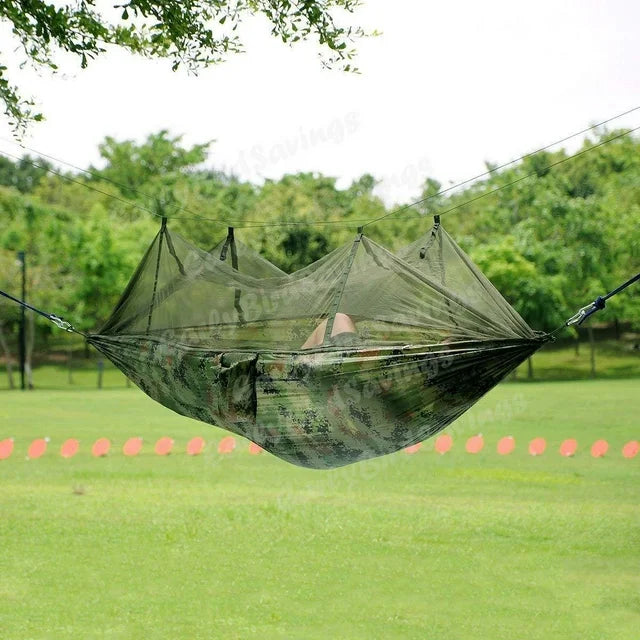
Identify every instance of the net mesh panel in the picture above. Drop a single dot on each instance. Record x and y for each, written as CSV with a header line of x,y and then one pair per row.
x,y
437,255
217,335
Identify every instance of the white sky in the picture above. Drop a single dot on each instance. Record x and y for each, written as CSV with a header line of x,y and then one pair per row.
x,y
447,86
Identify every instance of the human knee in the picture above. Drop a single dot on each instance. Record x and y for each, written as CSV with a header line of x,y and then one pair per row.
x,y
343,323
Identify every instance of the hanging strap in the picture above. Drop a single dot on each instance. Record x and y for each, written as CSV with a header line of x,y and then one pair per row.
x,y
228,240
432,237
57,320
230,243
596,305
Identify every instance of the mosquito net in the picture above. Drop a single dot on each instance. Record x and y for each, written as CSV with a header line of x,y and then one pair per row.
x,y
396,346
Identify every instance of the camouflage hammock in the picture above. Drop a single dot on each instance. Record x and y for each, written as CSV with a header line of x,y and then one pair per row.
x,y
217,336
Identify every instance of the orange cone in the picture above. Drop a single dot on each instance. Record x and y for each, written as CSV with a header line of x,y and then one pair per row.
x,y
568,448
164,446
6,448
37,448
537,446
255,449
475,444
630,450
599,448
132,446
443,443
227,444
101,447
195,446
506,445
69,448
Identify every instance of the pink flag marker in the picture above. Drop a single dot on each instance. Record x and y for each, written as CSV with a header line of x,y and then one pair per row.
x,y
69,448
37,448
443,443
101,447
195,446
537,446
568,447
132,446
599,448
164,446
506,445
227,444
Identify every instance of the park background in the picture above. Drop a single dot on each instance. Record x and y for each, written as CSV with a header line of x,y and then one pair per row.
x,y
451,546
552,232
235,545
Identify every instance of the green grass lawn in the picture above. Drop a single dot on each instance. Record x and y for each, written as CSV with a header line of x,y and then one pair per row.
x,y
613,359
425,546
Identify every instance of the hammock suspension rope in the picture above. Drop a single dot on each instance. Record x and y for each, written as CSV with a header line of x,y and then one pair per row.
x,y
57,320
598,304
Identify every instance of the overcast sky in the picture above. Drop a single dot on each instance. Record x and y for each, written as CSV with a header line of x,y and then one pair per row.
x,y
445,88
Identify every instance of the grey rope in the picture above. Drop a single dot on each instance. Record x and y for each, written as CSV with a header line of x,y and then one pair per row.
x,y
57,320
599,303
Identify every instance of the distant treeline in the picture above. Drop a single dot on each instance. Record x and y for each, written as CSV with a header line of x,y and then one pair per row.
x,y
550,242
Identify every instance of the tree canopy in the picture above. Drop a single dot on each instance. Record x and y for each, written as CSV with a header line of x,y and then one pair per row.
x,y
193,34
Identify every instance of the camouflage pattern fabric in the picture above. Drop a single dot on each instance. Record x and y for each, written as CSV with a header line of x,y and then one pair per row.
x,y
319,408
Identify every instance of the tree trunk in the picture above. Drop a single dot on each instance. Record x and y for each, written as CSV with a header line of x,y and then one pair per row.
x,y
7,355
31,336
577,346
592,346
530,368
69,368
100,372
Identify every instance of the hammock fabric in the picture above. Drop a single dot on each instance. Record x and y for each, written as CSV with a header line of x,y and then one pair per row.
x,y
216,336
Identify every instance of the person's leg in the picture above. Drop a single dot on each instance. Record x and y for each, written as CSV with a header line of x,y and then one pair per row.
x,y
316,337
341,324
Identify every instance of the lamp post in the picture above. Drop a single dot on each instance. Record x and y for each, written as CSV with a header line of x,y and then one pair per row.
x,y
23,328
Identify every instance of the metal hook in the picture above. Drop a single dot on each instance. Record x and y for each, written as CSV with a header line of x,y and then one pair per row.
x,y
585,312
62,324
